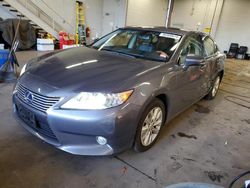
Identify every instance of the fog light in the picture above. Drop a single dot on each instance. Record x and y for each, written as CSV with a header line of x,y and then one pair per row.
x,y
101,140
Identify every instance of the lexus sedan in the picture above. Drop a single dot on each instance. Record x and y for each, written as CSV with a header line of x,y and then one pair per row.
x,y
118,92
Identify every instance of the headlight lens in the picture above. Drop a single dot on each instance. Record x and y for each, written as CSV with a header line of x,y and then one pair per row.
x,y
90,101
23,69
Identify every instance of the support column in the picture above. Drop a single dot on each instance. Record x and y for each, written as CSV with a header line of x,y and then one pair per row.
x,y
169,12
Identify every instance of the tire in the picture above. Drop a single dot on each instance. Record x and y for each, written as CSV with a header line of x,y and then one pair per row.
x,y
215,88
150,124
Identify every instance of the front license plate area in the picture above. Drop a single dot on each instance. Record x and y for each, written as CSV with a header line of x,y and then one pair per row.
x,y
27,116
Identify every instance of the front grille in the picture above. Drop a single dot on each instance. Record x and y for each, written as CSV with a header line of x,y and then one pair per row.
x,y
39,102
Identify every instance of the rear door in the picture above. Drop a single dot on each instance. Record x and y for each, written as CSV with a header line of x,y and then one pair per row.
x,y
211,54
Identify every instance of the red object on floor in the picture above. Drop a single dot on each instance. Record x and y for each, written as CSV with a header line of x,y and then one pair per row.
x,y
65,39
70,42
62,39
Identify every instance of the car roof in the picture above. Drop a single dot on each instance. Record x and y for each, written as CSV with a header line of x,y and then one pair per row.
x,y
161,29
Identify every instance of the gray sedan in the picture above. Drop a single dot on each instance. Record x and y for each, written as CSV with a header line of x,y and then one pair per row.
x,y
118,92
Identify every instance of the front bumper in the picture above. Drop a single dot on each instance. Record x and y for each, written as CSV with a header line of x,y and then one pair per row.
x,y
75,131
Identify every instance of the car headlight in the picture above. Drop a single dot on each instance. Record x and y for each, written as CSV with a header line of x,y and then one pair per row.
x,y
23,69
91,101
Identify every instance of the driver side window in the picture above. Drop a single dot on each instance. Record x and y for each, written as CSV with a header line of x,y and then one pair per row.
x,y
209,47
193,46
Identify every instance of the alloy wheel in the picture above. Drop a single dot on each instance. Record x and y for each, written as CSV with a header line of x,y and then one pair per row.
x,y
151,126
216,86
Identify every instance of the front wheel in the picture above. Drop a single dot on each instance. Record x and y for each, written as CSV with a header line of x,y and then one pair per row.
x,y
213,92
150,125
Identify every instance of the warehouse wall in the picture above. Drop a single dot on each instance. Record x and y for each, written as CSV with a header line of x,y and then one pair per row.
x,y
60,11
146,12
94,10
234,25
64,8
229,25
230,22
94,16
114,15
197,14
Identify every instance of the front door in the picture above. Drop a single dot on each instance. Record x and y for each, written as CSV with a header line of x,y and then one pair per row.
x,y
190,81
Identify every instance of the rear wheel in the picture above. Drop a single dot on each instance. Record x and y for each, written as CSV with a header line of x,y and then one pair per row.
x,y
150,125
213,92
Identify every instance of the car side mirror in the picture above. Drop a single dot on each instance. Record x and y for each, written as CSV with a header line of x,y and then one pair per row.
x,y
193,60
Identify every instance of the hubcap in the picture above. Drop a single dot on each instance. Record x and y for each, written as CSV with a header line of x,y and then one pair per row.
x,y
216,86
151,126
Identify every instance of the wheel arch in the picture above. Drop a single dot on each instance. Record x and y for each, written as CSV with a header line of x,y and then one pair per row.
x,y
164,98
160,96
221,74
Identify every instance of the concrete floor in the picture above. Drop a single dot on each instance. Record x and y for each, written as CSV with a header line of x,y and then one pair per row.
x,y
207,143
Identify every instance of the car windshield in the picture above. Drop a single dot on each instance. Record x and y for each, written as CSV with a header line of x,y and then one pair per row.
x,y
151,45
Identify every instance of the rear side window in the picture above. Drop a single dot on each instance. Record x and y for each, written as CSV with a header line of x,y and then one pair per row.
x,y
209,46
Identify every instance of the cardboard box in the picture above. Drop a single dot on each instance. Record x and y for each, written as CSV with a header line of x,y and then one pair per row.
x,y
45,45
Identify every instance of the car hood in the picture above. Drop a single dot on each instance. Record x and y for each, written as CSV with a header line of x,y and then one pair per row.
x,y
86,69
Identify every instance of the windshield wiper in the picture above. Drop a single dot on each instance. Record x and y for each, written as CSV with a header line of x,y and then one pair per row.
x,y
132,55
123,53
153,59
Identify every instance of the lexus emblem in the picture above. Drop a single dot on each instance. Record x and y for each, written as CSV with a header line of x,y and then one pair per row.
x,y
28,96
